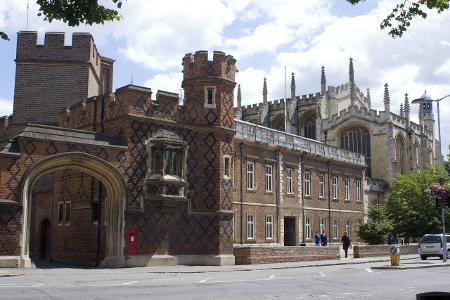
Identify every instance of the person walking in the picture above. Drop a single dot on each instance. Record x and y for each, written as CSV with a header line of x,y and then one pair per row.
x,y
317,239
345,243
324,238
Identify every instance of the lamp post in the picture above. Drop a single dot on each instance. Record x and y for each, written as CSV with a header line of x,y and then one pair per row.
x,y
424,98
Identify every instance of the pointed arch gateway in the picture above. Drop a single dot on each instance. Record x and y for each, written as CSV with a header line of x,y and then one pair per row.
x,y
111,179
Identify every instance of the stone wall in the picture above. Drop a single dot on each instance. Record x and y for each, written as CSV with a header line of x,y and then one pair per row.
x,y
381,250
265,255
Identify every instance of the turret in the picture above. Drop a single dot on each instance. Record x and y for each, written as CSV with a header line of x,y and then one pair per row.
x,y
67,75
239,96
387,102
208,88
351,75
369,101
292,86
402,111
427,111
323,81
264,91
407,111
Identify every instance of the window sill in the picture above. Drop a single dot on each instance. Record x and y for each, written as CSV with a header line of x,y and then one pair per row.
x,y
268,193
335,200
251,191
321,198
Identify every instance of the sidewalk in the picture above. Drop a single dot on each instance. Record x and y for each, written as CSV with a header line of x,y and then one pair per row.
x,y
275,266
407,262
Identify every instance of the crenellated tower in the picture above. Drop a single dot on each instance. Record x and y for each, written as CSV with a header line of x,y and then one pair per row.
x,y
53,76
208,88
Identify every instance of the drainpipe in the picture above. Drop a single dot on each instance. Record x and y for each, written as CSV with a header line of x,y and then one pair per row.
x,y
277,196
241,150
303,243
329,199
100,185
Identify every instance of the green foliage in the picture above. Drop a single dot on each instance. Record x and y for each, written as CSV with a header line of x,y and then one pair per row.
x,y
377,227
411,211
74,12
402,14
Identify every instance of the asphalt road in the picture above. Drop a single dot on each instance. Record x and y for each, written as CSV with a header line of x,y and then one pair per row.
x,y
332,282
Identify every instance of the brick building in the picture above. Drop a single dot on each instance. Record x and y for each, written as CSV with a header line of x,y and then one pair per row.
x,y
92,177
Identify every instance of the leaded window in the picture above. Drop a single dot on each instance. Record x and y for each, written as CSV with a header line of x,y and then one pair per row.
x,y
357,139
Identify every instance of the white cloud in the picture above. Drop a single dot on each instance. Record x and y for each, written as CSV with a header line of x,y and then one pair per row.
x,y
170,82
6,107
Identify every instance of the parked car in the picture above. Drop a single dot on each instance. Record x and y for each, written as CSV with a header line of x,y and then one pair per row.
x,y
431,245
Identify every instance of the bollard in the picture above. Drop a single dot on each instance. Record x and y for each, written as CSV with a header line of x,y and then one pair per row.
x,y
395,255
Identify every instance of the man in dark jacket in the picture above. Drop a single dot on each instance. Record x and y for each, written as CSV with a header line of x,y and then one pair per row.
x,y
324,238
345,243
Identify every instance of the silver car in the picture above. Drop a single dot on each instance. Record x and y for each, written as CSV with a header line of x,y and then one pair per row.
x,y
431,245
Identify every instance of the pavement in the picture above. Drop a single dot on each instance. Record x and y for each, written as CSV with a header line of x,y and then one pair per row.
x,y
337,279
406,262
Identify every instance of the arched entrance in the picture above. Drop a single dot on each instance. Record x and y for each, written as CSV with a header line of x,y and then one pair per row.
x,y
115,188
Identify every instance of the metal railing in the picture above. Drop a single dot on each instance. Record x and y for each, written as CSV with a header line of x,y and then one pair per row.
x,y
259,134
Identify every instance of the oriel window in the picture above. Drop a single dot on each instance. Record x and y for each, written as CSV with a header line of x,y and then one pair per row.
x,y
172,160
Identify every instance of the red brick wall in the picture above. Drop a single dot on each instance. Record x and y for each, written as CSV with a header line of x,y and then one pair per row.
x,y
66,75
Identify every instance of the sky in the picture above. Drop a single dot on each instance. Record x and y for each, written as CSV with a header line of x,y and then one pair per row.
x,y
264,36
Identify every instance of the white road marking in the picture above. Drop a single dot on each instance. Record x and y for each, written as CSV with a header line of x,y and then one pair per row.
x,y
369,270
323,275
271,276
202,281
131,282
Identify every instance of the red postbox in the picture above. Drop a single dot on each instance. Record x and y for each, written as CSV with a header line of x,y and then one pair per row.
x,y
131,241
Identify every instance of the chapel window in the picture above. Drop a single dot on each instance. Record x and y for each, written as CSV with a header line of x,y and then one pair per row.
x,y
357,139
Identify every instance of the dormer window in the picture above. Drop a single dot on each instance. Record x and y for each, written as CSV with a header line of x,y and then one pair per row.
x,y
210,96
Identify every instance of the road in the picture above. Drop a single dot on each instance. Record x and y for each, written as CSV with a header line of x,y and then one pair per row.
x,y
352,281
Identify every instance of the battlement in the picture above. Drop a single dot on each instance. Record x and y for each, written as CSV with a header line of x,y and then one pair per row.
x,y
198,65
54,49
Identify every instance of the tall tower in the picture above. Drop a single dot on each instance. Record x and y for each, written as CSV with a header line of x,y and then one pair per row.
x,y
52,76
209,87
427,112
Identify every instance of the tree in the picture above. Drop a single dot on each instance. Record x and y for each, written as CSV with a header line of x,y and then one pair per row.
x,y
74,12
412,212
402,14
374,232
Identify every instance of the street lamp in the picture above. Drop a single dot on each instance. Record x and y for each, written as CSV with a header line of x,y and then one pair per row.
x,y
423,101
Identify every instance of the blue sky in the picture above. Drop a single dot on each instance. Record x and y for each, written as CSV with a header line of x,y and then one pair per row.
x,y
264,36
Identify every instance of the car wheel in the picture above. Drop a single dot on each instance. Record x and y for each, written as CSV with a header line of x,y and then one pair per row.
x,y
423,257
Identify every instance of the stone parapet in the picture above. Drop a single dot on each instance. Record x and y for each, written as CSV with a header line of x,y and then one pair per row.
x,y
360,251
276,254
254,133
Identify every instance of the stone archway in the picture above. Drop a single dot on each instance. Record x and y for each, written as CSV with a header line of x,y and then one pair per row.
x,y
115,207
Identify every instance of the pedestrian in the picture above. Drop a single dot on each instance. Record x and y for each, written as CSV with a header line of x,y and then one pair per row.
x,y
317,239
390,238
345,243
324,238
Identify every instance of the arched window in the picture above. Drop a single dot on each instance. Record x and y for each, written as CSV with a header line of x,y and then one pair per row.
x,y
309,125
399,155
357,139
